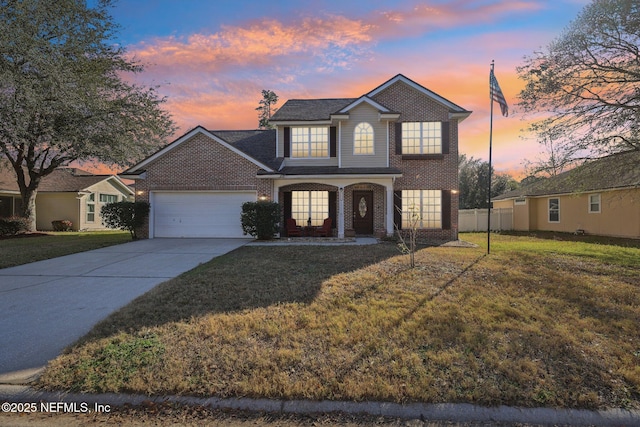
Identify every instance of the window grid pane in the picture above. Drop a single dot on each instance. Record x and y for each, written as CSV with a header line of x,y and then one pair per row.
x,y
431,138
554,210
309,142
411,138
309,204
422,208
363,139
421,138
594,203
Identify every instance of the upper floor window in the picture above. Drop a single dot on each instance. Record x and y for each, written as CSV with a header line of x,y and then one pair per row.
x,y
421,138
309,142
363,139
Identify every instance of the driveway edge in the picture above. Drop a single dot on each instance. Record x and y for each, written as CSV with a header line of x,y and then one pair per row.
x,y
457,412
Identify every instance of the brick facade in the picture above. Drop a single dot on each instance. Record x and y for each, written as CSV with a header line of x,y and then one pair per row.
x,y
427,174
201,163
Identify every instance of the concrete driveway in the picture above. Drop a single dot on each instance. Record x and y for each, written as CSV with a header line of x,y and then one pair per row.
x,y
47,305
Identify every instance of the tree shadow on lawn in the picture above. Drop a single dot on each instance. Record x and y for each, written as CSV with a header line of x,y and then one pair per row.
x,y
247,278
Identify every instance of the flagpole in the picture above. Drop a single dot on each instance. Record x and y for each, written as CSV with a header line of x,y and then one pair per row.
x,y
490,143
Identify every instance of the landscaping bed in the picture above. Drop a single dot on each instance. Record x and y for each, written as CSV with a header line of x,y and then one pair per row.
x,y
536,323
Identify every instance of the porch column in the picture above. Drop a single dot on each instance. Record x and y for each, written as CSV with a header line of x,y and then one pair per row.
x,y
340,214
390,209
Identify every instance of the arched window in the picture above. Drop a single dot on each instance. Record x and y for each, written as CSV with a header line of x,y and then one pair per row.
x,y
363,139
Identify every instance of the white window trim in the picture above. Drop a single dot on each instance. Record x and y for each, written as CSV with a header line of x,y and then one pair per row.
x,y
91,203
373,140
308,156
549,210
599,203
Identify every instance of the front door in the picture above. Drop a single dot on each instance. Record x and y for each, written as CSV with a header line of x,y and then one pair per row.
x,y
363,212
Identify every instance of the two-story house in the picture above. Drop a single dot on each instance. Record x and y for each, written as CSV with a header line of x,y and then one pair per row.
x,y
371,164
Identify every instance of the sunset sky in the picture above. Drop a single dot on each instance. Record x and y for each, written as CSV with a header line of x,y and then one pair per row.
x,y
212,58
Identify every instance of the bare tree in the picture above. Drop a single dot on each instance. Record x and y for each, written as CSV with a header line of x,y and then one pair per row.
x,y
586,84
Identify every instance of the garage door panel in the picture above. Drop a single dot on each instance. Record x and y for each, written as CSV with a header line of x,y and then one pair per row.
x,y
199,214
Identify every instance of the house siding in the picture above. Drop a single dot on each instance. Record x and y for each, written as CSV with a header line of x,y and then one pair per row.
x,y
429,174
200,164
619,214
363,113
58,206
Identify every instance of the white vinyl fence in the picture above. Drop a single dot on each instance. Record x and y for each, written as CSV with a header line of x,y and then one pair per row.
x,y
476,219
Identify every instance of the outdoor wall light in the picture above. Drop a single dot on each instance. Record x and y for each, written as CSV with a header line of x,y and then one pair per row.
x,y
139,192
263,198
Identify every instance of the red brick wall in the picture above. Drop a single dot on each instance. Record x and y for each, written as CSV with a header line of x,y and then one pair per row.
x,y
200,163
436,174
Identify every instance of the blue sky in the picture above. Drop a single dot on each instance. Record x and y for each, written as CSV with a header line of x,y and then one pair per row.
x,y
212,58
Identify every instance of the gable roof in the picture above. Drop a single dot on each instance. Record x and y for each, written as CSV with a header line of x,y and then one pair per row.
x,y
238,141
258,144
453,108
64,180
310,110
621,170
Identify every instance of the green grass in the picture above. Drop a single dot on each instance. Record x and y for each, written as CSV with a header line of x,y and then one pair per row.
x,y
17,251
536,323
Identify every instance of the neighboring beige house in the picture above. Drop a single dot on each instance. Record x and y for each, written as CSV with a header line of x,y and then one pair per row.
x,y
66,194
366,163
601,197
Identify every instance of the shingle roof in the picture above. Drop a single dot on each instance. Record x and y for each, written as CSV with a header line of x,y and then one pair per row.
x,y
621,170
60,180
310,109
258,144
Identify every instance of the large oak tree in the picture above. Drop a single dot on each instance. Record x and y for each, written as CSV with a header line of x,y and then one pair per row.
x,y
584,88
64,93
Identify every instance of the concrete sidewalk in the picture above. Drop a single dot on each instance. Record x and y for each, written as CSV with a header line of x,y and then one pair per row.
x,y
47,305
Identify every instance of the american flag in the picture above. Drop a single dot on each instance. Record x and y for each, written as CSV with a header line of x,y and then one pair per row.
x,y
496,94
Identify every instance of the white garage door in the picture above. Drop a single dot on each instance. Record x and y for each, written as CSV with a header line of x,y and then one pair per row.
x,y
198,214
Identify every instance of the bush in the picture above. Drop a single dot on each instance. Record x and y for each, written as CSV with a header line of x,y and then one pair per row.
x,y
62,225
125,216
13,225
260,219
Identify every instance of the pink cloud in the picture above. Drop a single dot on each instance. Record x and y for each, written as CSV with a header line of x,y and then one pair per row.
x,y
215,79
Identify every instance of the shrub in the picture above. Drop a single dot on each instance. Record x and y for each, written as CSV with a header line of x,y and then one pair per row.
x,y
13,225
62,225
260,219
125,216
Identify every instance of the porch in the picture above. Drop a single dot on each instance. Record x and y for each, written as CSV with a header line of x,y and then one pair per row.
x,y
356,207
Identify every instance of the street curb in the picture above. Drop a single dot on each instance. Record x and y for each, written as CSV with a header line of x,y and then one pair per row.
x,y
457,412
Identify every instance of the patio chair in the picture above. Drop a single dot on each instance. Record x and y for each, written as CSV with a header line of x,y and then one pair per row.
x,y
292,228
325,230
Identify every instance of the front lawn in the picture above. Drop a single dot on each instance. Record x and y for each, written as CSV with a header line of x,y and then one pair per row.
x,y
23,250
536,323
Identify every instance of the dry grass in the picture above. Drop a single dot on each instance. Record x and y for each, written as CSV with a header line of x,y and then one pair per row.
x,y
536,323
